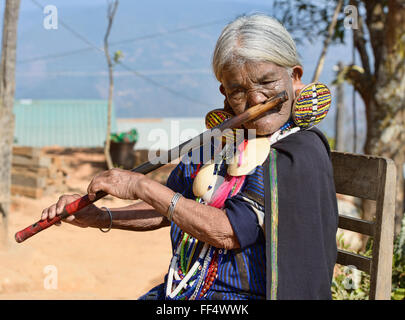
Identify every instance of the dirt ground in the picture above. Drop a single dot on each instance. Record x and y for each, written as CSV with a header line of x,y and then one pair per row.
x,y
68,262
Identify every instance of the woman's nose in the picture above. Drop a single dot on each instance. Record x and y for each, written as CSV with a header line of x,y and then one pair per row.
x,y
255,97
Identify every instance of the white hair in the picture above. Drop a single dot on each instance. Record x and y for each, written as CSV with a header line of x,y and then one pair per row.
x,y
256,38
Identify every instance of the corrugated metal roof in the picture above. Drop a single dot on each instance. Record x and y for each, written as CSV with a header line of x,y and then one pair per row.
x,y
162,133
66,123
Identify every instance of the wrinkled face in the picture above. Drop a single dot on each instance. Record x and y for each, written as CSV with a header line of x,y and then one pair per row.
x,y
247,85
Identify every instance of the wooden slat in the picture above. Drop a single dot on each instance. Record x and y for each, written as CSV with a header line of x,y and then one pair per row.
x,y
357,225
356,175
27,180
30,152
372,178
352,259
27,191
26,161
383,247
37,171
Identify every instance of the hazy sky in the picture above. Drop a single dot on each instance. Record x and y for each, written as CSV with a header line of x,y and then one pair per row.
x,y
178,61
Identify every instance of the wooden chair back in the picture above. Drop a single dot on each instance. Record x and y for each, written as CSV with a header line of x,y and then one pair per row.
x,y
372,178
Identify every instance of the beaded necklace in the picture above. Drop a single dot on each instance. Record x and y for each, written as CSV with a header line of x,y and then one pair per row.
x,y
185,283
287,126
194,283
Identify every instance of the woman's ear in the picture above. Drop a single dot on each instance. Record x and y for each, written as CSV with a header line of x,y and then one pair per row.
x,y
296,76
297,72
222,90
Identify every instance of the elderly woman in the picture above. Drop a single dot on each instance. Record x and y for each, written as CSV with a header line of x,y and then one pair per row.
x,y
222,247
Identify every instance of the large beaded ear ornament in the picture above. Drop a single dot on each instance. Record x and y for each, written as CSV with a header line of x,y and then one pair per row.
x,y
311,105
216,117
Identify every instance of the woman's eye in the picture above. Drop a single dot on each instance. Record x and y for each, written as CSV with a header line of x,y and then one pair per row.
x,y
236,93
268,82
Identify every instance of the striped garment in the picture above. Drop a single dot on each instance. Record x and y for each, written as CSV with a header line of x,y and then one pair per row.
x,y
301,259
242,272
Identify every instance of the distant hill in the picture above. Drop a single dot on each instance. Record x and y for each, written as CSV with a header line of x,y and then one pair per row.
x,y
177,60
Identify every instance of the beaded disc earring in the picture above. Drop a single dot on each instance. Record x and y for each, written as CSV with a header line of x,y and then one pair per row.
x,y
216,117
311,105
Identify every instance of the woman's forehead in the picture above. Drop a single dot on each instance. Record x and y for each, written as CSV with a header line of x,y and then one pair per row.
x,y
254,71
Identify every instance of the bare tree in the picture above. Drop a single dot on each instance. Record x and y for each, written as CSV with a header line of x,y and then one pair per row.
x,y
340,110
112,9
7,89
382,87
328,39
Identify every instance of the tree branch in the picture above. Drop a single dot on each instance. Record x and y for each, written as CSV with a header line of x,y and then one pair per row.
x,y
328,39
112,9
360,41
7,91
395,26
356,76
376,20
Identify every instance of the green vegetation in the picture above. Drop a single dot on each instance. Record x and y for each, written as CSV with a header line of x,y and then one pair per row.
x,y
128,137
398,266
352,284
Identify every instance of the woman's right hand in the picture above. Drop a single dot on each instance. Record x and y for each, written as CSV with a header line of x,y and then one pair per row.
x,y
90,216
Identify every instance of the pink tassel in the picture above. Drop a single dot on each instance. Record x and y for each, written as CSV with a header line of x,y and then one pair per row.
x,y
218,199
225,189
241,149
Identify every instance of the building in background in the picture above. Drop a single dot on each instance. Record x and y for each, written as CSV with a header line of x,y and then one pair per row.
x,y
64,123
83,124
162,133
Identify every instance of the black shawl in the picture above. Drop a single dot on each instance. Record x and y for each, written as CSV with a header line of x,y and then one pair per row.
x,y
301,236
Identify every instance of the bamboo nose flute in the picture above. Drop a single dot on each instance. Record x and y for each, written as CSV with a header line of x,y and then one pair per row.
x,y
234,122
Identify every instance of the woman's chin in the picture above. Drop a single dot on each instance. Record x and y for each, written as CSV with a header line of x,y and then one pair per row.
x,y
259,129
268,124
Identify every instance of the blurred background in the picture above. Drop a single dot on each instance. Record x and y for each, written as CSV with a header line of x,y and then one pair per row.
x,y
92,74
166,56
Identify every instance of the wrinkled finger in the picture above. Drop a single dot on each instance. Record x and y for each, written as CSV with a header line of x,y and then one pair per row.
x,y
64,200
60,205
69,218
90,187
52,212
94,187
44,215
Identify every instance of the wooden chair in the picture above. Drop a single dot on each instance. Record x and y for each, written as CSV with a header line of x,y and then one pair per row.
x,y
373,178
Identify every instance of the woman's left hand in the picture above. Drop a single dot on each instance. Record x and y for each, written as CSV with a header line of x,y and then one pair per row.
x,y
119,183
